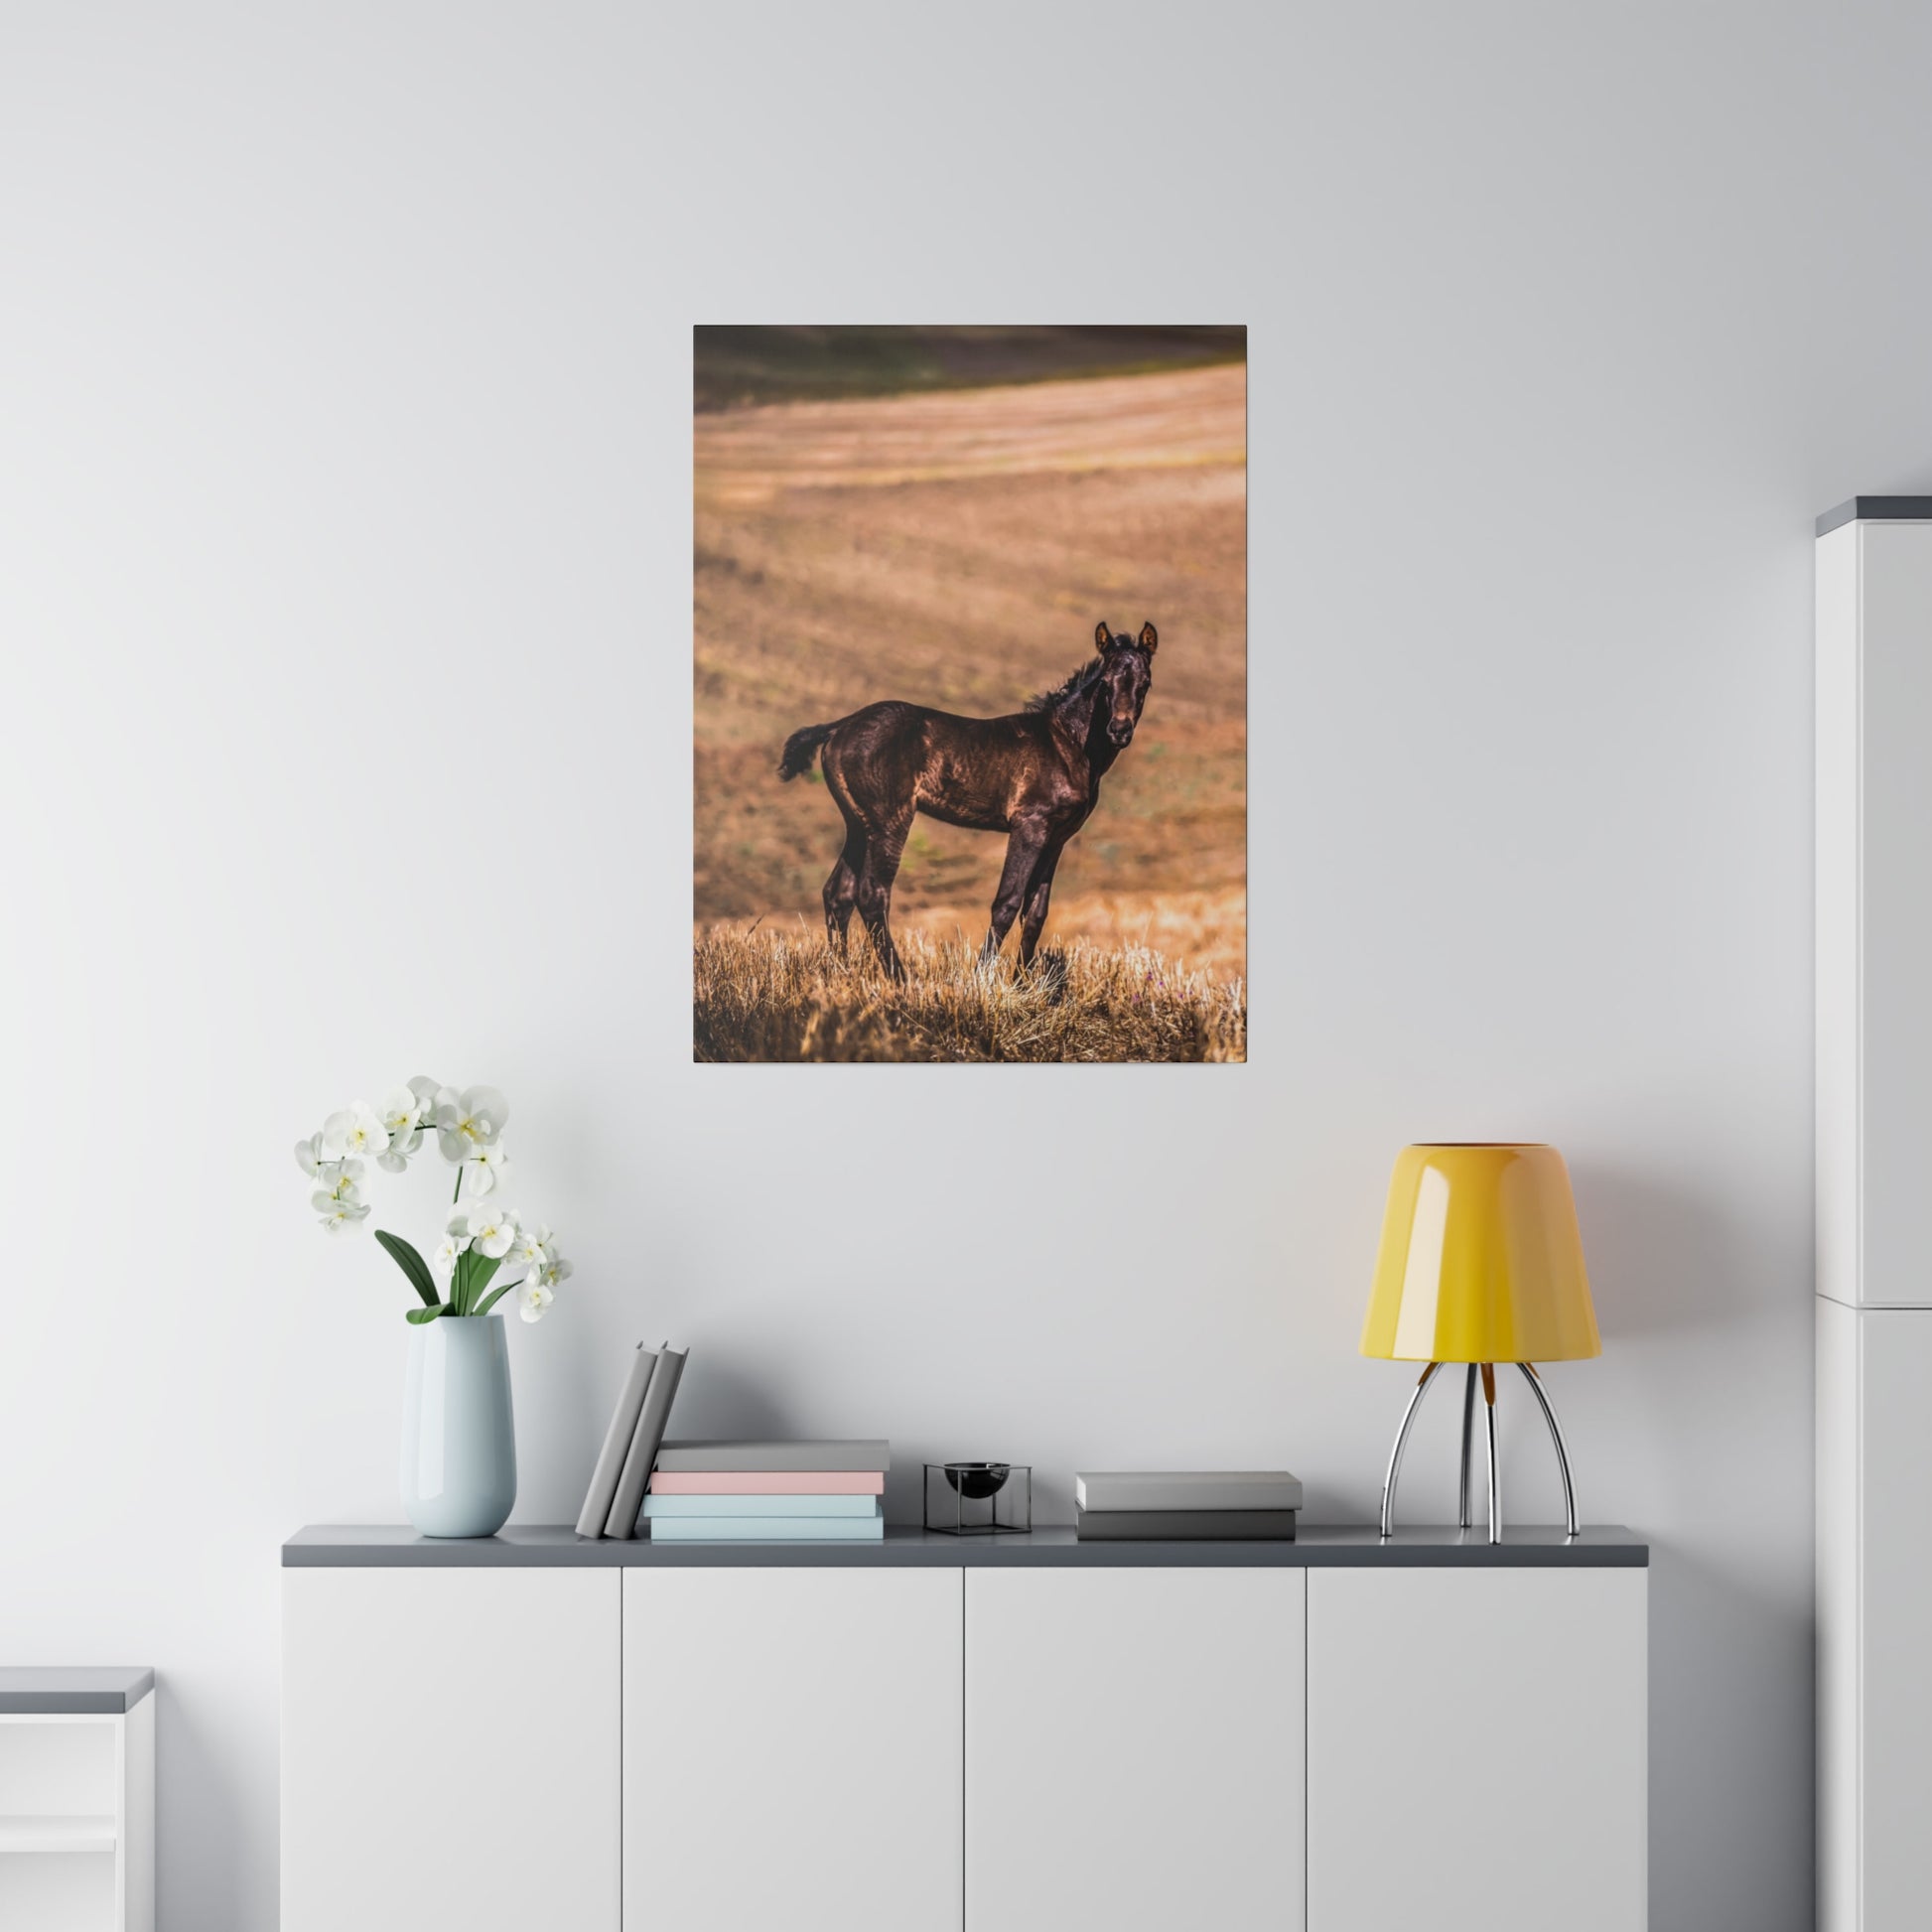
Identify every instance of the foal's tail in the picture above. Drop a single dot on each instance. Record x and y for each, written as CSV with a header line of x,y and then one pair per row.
x,y
802,747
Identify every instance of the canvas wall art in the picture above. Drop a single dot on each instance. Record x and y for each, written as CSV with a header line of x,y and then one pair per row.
x,y
970,697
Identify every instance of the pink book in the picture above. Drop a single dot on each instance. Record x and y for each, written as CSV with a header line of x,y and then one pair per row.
x,y
769,1482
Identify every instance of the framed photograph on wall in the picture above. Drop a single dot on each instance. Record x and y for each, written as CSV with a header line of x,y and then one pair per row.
x,y
970,695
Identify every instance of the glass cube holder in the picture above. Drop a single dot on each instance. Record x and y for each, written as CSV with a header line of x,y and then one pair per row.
x,y
979,1498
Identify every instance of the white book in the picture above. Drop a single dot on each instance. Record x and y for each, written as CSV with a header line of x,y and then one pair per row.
x,y
1188,1489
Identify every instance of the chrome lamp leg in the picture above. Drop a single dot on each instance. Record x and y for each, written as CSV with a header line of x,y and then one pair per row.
x,y
1495,1467
1464,1519
1556,1436
1395,1454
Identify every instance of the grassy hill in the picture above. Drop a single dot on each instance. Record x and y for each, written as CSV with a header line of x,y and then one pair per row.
x,y
734,366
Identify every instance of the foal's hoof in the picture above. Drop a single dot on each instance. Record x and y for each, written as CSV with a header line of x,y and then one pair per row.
x,y
1048,971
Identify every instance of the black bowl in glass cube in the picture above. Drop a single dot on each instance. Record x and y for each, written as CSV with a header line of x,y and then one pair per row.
x,y
979,1498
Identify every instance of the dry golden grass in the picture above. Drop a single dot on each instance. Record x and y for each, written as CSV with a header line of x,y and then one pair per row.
x,y
1203,932
779,996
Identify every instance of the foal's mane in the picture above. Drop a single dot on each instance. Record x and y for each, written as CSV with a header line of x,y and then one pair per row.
x,y
1081,681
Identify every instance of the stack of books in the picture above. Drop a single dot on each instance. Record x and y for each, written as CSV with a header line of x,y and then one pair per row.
x,y
774,1492
617,1494
1226,1505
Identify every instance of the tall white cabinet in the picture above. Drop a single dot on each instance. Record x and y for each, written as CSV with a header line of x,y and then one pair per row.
x,y
1874,1182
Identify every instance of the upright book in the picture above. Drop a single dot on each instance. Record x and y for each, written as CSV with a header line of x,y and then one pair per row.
x,y
645,1441
603,1492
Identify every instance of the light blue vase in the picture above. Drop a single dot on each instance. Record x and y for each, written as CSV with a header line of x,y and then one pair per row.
x,y
459,1440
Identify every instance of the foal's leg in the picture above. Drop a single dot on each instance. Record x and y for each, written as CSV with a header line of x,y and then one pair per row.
x,y
842,889
1040,896
884,850
1024,847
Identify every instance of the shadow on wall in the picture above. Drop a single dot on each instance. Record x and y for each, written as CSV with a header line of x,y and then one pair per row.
x,y
718,1401
196,1811
1715,1647
1662,1260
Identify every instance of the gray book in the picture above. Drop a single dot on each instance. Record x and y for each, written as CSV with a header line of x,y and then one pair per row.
x,y
739,1459
617,1444
1189,1490
1186,1526
644,1440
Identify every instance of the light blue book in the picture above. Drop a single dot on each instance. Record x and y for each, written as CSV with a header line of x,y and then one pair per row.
x,y
768,1528
662,1506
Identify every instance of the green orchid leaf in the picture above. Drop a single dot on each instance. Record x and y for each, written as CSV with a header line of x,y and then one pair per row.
x,y
412,1265
420,1316
479,1278
495,1296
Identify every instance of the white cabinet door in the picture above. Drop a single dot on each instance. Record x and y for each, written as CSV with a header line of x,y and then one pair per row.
x,y
791,1751
1875,911
1895,1547
1476,1751
1134,1749
1895,908
449,1750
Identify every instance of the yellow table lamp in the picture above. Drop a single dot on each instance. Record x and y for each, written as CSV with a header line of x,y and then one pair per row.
x,y
1481,1263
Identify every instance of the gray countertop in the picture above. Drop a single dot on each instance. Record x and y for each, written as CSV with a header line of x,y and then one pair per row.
x,y
65,1690
544,1545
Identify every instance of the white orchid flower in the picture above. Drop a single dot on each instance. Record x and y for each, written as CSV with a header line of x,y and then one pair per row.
x,y
552,1270
356,1129
531,1301
308,1156
486,1171
341,1213
400,1111
395,1157
532,1246
468,1122
341,1179
492,1233
455,1238
427,1092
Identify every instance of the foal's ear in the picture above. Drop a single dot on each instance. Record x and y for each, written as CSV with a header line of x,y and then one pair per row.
x,y
1102,636
1150,638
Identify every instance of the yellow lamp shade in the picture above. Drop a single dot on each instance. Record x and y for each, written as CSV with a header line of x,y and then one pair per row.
x,y
1480,1260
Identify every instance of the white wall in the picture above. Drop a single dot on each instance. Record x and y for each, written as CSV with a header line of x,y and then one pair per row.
x,y
345,605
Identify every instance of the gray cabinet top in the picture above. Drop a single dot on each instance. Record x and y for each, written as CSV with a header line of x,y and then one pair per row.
x,y
68,1690
1877,510
545,1546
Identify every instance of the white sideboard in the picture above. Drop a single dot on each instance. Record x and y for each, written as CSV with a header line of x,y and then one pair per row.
x,y
1875,1153
931,1735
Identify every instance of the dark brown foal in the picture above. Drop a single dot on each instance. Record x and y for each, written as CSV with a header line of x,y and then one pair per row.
x,y
1033,775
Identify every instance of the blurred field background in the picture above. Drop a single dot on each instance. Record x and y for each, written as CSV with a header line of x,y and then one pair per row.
x,y
942,516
